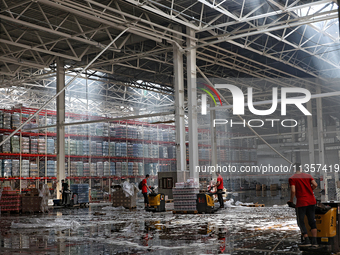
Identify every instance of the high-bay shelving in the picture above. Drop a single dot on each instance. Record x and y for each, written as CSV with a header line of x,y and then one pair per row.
x,y
95,153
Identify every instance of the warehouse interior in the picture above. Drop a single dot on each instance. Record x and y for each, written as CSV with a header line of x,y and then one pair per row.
x,y
100,93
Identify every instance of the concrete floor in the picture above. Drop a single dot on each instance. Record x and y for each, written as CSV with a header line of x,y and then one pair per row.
x,y
234,230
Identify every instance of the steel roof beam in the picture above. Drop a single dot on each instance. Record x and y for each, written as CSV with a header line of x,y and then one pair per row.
x,y
256,17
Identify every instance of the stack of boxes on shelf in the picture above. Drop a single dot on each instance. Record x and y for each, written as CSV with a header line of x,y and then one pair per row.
x,y
15,144
50,168
185,195
86,169
6,147
15,168
7,168
25,145
25,168
34,145
34,172
79,147
7,120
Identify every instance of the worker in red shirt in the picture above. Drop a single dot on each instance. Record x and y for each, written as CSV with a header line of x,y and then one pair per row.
x,y
145,189
219,186
302,186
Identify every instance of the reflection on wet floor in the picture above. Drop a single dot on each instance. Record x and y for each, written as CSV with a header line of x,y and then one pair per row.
x,y
235,230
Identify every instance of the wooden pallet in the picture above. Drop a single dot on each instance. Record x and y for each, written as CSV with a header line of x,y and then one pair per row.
x,y
169,201
184,212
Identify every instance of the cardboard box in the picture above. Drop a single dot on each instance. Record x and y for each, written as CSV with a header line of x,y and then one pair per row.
x,y
120,199
31,204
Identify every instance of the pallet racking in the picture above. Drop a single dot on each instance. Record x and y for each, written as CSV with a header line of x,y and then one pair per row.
x,y
153,139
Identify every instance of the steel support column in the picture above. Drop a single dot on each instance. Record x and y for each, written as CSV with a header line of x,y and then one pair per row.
x,y
192,105
179,111
310,133
321,146
60,127
213,141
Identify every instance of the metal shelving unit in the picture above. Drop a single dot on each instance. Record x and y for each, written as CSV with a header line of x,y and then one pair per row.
x,y
89,158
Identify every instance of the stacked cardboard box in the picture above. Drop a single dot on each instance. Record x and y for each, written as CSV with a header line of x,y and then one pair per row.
x,y
31,203
120,199
10,200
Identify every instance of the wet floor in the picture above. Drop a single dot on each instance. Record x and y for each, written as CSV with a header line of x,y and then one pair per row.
x,y
109,230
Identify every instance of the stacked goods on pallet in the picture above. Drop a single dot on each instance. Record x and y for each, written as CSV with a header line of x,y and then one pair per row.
x,y
31,202
124,168
119,168
154,151
106,129
79,147
73,168
25,168
34,169
146,134
117,149
112,168
172,151
151,168
120,131
80,168
135,169
130,168
15,144
123,150
25,145
50,146
146,150
140,168
92,129
93,169
105,148
82,190
34,146
41,146
51,168
130,150
10,200
15,120
86,169
73,147
6,147
253,155
7,120
112,149
106,168
163,152
93,148
15,167
185,195
100,169
99,149
97,194
138,150
86,147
